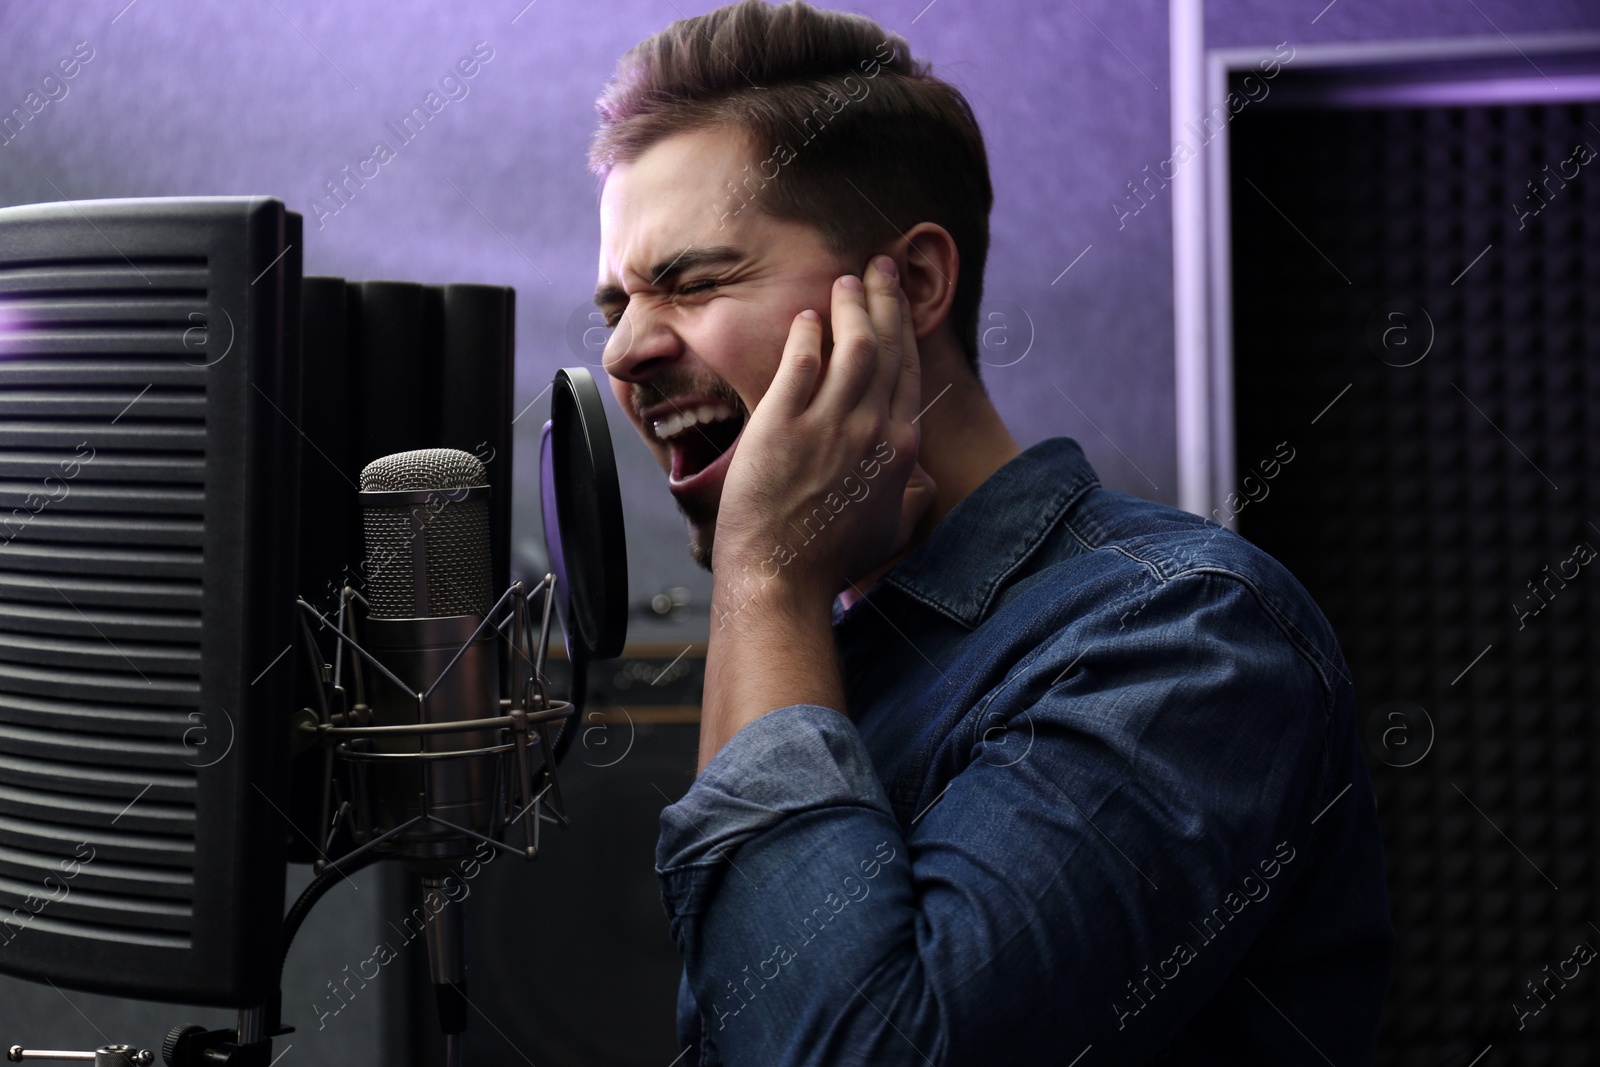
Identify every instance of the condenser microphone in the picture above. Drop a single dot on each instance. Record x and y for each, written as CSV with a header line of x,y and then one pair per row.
x,y
425,517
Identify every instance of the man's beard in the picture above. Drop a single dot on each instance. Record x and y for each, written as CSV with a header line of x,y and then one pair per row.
x,y
702,532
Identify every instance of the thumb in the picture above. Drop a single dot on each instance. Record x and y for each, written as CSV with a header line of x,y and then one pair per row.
x,y
914,504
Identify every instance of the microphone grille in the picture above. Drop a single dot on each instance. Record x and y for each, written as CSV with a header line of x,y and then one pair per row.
x,y
424,468
455,545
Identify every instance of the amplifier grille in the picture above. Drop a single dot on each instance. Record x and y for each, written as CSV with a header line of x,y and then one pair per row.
x,y
102,477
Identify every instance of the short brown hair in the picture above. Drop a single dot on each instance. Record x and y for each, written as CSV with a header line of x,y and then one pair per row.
x,y
907,141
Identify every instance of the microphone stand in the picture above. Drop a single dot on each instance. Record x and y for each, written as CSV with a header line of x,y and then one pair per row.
x,y
345,731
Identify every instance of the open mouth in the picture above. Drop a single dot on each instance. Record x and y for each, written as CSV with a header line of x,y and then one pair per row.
x,y
699,436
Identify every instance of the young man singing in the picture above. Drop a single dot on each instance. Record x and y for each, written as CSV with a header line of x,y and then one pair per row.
x,y
997,766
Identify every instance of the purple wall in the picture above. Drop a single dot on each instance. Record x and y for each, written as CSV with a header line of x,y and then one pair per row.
x,y
234,99
277,98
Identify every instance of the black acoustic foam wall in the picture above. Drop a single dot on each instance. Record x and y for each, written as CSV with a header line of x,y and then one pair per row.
x,y
1421,328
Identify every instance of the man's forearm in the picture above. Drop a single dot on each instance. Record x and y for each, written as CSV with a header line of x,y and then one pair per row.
x,y
769,651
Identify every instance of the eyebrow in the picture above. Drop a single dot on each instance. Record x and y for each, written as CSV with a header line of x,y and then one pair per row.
x,y
688,259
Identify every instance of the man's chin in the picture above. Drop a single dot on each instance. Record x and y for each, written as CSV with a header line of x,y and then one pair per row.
x,y
701,534
700,550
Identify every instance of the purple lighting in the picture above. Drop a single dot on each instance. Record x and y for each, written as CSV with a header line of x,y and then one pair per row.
x,y
1467,92
11,324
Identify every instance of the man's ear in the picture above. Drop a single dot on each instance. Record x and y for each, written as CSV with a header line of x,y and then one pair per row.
x,y
929,266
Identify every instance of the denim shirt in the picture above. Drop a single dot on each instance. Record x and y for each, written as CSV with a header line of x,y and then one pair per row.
x,y
1097,797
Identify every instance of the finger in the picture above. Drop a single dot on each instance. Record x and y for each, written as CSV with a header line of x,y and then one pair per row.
x,y
850,364
885,305
906,402
798,368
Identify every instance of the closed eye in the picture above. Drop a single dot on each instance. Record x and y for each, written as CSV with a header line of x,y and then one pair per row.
x,y
687,290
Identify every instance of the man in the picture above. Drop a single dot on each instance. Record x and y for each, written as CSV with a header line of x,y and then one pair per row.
x,y
996,765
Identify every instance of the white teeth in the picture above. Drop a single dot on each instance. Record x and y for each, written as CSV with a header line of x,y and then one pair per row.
x,y
679,421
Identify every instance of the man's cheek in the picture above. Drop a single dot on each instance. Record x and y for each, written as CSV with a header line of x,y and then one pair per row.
x,y
622,393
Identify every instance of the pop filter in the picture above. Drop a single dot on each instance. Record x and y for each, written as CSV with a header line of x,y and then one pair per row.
x,y
583,520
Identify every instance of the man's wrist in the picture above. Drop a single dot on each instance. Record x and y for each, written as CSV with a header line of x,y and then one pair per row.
x,y
741,593
771,647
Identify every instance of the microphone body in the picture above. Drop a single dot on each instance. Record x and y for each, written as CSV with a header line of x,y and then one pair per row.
x,y
460,791
426,524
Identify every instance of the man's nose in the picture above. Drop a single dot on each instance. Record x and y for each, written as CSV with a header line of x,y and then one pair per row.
x,y
640,346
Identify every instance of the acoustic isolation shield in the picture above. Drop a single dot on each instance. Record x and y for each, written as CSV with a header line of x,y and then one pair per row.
x,y
149,399
172,476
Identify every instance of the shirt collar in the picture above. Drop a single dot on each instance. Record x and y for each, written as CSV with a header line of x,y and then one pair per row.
x,y
964,563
